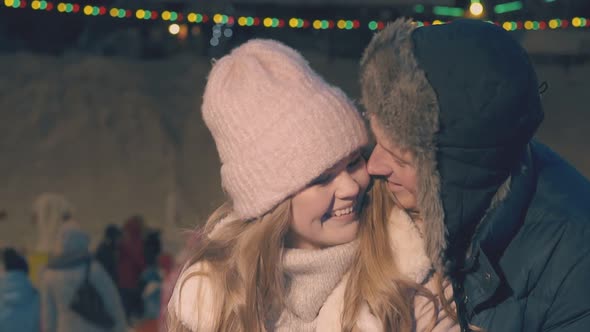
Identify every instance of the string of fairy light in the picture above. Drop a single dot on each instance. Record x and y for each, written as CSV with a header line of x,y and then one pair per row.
x,y
275,22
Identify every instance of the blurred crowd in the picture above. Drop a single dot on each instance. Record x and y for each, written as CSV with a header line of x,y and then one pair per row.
x,y
64,285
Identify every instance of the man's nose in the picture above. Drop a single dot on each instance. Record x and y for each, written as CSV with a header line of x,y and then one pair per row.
x,y
377,164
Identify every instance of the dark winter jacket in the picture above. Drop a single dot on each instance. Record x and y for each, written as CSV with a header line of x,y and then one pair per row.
x,y
107,251
506,219
106,255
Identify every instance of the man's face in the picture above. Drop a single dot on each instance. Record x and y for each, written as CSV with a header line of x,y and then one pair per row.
x,y
396,165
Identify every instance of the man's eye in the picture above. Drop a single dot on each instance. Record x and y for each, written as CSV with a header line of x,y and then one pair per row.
x,y
402,163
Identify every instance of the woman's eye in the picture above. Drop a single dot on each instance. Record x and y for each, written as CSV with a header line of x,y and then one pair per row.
x,y
356,162
322,179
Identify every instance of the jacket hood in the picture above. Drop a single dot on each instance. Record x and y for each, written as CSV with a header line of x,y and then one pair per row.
x,y
16,288
465,99
71,247
71,240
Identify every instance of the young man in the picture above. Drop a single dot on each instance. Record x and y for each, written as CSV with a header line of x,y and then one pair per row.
x,y
454,109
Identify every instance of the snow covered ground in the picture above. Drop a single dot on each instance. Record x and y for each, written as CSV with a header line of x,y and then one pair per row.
x,y
118,136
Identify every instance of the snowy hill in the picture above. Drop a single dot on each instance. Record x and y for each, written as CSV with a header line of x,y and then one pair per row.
x,y
106,133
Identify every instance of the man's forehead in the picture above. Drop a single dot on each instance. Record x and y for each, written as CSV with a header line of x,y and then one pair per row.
x,y
381,137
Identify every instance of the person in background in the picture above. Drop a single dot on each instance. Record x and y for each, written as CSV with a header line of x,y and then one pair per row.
x,y
151,293
50,211
107,251
19,300
165,265
70,263
151,283
130,266
151,277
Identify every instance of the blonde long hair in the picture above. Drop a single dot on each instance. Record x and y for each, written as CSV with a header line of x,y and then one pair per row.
x,y
376,280
246,271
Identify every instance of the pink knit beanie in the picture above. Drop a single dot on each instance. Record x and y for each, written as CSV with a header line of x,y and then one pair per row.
x,y
277,125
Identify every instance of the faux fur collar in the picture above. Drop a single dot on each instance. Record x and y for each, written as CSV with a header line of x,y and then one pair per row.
x,y
407,244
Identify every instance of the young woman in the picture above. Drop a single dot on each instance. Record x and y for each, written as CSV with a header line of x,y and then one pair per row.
x,y
277,256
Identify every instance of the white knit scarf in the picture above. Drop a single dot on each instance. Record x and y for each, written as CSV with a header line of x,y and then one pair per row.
x,y
311,277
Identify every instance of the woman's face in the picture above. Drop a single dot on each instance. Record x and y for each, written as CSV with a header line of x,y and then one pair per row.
x,y
326,212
